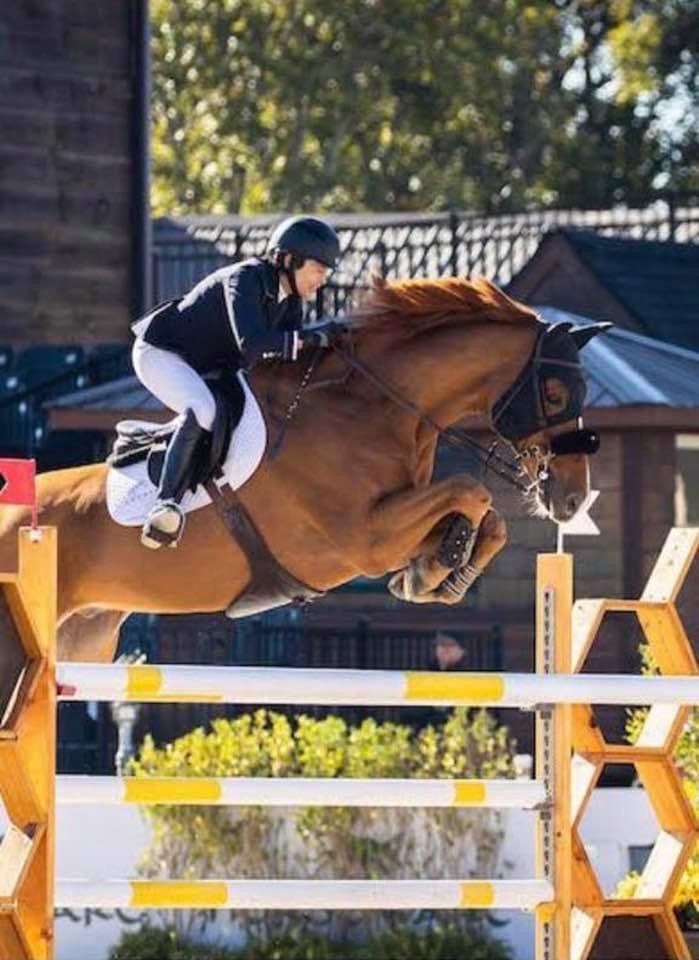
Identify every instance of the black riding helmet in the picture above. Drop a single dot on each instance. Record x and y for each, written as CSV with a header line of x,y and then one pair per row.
x,y
307,238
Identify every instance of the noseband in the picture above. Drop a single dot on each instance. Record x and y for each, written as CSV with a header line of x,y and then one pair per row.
x,y
554,354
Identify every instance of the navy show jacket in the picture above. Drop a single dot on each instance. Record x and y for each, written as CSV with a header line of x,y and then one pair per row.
x,y
230,319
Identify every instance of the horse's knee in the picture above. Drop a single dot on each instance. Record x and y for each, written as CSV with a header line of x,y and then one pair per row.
x,y
492,537
469,497
495,529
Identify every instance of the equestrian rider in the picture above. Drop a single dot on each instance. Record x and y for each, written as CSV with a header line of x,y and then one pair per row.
x,y
231,319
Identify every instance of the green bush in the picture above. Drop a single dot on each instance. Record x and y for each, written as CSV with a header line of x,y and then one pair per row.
x,y
686,757
153,943
291,947
326,842
441,943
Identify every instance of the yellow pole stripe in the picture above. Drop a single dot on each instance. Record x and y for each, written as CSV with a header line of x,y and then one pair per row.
x,y
477,895
487,688
152,894
145,684
545,912
469,794
181,790
143,681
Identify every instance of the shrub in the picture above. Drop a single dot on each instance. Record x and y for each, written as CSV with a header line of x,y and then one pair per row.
x,y
318,843
440,943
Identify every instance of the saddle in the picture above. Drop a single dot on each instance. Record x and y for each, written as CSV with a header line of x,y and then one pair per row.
x,y
138,440
271,585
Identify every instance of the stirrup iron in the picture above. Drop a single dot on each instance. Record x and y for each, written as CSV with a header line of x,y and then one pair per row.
x,y
164,526
165,522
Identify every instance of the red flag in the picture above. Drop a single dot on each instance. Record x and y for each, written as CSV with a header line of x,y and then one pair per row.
x,y
17,484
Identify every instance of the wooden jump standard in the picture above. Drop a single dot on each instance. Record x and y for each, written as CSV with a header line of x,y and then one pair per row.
x,y
571,753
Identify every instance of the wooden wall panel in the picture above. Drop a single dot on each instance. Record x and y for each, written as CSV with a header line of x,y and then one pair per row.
x,y
66,171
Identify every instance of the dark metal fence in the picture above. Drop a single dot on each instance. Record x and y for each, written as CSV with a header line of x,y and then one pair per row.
x,y
401,245
87,743
22,408
411,245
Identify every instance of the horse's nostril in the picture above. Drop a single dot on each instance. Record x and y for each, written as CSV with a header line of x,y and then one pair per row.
x,y
573,501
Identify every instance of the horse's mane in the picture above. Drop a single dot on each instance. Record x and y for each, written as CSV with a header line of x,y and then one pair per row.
x,y
411,306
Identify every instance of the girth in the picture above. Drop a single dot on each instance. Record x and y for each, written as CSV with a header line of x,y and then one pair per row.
x,y
271,585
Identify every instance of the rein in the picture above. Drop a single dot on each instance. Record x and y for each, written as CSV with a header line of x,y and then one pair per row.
x,y
508,470
290,411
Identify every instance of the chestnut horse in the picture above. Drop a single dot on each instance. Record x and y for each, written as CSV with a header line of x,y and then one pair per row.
x,y
350,492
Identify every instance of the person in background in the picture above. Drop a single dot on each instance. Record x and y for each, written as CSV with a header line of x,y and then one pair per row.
x,y
447,653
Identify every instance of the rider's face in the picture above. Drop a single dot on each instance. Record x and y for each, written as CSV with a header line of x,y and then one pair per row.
x,y
310,277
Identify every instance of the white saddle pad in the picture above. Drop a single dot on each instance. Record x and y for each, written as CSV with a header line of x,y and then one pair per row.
x,y
130,493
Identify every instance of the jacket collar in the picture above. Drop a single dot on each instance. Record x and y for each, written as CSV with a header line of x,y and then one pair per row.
x,y
270,278
271,281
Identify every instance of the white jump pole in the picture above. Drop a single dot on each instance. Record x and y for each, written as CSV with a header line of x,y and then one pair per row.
x,y
299,792
277,685
552,691
304,894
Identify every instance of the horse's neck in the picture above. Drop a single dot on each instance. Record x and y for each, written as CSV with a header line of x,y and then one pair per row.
x,y
449,373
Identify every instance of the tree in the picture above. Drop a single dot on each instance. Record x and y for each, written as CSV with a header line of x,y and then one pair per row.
x,y
269,105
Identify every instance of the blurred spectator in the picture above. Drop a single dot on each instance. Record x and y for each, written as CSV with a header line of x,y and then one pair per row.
x,y
447,653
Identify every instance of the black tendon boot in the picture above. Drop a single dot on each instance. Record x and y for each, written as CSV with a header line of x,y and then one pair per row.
x,y
165,522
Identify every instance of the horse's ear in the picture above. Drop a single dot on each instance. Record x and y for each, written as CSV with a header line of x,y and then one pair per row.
x,y
377,281
583,335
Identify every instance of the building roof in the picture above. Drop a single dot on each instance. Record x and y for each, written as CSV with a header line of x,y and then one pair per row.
x,y
100,407
656,281
623,369
124,394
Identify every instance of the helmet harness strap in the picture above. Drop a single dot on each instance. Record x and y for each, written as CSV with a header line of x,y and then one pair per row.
x,y
289,271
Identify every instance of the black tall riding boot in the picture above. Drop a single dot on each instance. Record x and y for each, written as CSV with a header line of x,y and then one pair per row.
x,y
165,522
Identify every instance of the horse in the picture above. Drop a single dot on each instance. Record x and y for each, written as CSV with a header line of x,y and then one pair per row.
x,y
350,491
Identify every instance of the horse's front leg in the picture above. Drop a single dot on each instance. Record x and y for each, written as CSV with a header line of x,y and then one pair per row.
x,y
424,579
401,523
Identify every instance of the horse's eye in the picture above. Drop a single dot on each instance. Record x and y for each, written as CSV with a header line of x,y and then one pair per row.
x,y
554,392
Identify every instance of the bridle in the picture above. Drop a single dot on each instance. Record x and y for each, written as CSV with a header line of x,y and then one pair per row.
x,y
512,468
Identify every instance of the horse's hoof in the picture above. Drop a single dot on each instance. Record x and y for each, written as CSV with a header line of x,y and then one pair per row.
x,y
396,585
408,583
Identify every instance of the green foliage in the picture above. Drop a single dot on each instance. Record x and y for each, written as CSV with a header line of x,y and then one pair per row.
x,y
441,943
267,105
153,943
686,757
293,947
324,842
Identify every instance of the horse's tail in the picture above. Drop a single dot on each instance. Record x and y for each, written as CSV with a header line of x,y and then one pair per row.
x,y
59,493
11,519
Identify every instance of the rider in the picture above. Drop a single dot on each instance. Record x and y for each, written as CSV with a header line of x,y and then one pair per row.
x,y
232,318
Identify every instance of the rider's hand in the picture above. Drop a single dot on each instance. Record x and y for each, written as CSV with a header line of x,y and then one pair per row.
x,y
324,336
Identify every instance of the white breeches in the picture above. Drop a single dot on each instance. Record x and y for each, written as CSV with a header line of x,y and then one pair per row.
x,y
174,382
